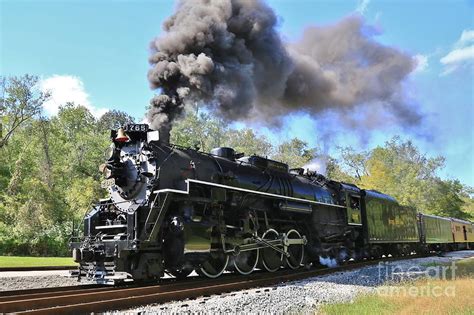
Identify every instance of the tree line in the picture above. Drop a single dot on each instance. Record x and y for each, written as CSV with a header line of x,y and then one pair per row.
x,y
49,173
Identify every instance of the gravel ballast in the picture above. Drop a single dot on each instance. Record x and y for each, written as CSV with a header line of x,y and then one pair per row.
x,y
304,296
37,279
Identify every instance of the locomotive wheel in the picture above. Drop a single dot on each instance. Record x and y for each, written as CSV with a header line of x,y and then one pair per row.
x,y
245,262
376,252
270,259
296,251
214,266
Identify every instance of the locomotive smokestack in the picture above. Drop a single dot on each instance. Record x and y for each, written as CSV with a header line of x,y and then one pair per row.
x,y
164,134
228,55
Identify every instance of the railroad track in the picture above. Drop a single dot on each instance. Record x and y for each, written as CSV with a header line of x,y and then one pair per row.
x,y
86,299
38,268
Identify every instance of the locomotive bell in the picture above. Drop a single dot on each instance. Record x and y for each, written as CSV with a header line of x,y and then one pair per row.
x,y
122,136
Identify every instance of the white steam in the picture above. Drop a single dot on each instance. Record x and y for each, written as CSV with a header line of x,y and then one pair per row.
x,y
318,165
327,261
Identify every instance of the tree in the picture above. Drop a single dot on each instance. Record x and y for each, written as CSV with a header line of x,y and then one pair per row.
x,y
50,179
294,152
447,199
75,131
335,172
199,130
20,100
114,119
354,162
467,195
399,169
247,142
205,132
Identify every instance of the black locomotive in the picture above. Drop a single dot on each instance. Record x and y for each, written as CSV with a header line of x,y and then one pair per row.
x,y
174,210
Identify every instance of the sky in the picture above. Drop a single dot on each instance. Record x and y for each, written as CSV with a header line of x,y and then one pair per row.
x,y
95,53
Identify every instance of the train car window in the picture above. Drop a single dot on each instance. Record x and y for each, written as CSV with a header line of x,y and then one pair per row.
x,y
355,202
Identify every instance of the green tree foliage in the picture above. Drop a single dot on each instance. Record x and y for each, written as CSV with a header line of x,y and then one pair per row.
x,y
294,152
446,199
355,163
48,180
204,132
402,171
20,100
335,171
467,196
246,141
113,119
199,131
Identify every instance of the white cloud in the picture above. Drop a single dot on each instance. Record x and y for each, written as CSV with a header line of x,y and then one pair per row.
x,y
467,36
67,88
362,6
421,63
461,55
458,55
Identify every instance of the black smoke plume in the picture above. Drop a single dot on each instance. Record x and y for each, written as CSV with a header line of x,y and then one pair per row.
x,y
228,55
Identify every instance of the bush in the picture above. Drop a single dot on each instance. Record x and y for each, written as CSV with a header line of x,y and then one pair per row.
x,y
50,242
10,244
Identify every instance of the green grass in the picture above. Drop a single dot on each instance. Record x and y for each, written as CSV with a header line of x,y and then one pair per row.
x,y
17,261
364,305
466,268
459,303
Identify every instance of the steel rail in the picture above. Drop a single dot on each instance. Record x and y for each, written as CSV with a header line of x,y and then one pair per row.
x,y
15,295
119,298
6,295
37,268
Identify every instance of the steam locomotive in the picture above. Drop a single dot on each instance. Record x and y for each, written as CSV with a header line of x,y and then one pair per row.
x,y
174,210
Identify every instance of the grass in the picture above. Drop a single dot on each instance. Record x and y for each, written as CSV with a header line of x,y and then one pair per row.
x,y
426,296
466,267
18,261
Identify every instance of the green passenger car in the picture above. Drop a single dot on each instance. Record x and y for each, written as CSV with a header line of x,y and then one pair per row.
x,y
387,221
435,230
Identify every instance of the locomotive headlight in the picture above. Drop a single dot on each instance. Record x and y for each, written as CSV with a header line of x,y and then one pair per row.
x,y
109,152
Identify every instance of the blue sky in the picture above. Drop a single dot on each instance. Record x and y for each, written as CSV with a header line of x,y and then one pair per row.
x,y
95,52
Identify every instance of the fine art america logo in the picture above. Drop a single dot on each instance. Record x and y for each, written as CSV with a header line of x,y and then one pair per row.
x,y
396,274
